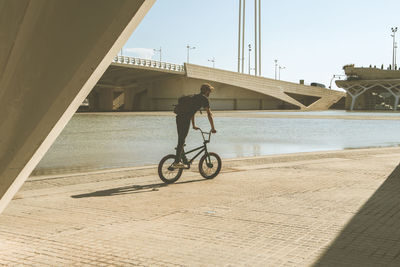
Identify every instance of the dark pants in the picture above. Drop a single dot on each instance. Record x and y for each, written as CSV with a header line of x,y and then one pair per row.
x,y
182,125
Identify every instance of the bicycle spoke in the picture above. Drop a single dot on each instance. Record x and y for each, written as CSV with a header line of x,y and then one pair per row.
x,y
167,173
207,169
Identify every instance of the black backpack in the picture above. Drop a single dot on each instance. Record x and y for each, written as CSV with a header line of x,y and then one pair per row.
x,y
184,104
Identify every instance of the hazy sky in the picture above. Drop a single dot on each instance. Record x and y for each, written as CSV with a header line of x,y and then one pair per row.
x,y
312,39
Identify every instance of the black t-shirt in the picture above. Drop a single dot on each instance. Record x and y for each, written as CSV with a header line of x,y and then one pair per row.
x,y
197,102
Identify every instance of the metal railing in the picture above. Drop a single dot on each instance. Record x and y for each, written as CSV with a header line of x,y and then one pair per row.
x,y
148,63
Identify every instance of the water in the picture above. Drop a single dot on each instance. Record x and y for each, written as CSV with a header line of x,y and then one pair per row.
x,y
113,140
329,113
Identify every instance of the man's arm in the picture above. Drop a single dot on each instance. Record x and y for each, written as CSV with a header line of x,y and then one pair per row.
x,y
193,124
210,119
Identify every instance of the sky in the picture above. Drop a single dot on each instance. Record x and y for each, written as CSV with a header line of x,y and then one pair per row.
x,y
312,39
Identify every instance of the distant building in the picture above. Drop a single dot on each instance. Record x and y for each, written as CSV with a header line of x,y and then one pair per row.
x,y
371,88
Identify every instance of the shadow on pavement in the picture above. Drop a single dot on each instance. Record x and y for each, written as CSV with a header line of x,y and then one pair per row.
x,y
372,237
132,189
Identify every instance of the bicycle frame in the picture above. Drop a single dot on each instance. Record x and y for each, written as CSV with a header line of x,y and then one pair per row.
x,y
203,148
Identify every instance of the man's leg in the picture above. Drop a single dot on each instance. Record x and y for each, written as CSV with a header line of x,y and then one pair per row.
x,y
182,125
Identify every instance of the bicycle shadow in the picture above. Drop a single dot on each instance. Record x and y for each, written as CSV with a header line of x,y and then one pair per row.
x,y
372,237
132,189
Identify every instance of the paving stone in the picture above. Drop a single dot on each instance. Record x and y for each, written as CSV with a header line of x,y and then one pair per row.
x,y
312,209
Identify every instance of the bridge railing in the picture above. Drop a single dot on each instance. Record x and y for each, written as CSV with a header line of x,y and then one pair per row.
x,y
148,63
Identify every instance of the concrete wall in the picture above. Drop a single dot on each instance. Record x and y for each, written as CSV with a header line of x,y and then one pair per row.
x,y
52,53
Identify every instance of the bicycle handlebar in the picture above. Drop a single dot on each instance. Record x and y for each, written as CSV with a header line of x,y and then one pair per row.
x,y
204,133
209,132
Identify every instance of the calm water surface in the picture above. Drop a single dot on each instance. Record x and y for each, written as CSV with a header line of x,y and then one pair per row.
x,y
112,140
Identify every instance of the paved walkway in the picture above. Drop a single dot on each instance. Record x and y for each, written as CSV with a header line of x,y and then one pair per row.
x,y
324,209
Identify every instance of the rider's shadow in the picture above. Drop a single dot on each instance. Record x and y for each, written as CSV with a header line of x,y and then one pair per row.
x,y
132,189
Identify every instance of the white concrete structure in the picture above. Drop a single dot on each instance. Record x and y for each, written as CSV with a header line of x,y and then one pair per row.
x,y
52,53
371,88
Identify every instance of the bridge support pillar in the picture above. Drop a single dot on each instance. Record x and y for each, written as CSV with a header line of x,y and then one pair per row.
x,y
355,93
129,97
93,101
105,99
396,94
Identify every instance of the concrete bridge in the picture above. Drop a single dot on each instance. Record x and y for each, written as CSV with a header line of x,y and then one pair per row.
x,y
371,88
138,84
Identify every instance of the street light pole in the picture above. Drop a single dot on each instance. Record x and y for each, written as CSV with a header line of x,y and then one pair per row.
x,y
243,32
335,76
240,32
280,68
255,38
188,49
394,30
259,37
213,61
159,51
249,57
276,66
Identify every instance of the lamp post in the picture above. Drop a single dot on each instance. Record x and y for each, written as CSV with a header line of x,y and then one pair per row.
x,y
213,61
243,31
188,49
240,33
259,37
255,39
394,30
281,68
249,57
159,51
276,67
333,77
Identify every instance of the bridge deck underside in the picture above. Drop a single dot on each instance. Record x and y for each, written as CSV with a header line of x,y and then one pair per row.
x,y
123,76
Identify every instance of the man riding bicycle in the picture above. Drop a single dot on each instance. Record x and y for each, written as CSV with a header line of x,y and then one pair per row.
x,y
185,111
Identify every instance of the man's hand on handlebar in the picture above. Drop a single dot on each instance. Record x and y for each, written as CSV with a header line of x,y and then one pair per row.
x,y
213,130
196,128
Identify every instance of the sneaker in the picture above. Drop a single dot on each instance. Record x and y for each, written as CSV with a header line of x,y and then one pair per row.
x,y
178,165
185,161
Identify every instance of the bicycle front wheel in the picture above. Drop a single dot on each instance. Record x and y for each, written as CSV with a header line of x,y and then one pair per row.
x,y
210,165
167,173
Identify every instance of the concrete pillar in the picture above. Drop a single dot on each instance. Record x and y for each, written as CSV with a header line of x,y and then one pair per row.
x,y
129,96
396,102
106,98
357,93
52,53
93,101
396,94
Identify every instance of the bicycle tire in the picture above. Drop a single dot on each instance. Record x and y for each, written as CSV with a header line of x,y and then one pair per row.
x,y
209,172
168,176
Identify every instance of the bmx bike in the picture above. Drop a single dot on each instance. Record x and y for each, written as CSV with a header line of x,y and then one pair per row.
x,y
209,164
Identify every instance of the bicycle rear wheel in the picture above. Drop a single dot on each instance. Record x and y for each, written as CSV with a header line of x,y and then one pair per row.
x,y
168,174
210,165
